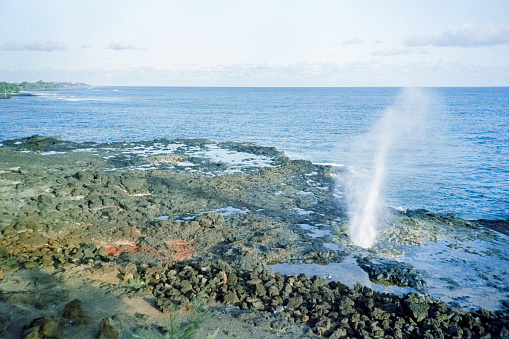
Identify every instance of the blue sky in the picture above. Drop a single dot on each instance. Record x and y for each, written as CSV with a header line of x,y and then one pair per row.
x,y
256,43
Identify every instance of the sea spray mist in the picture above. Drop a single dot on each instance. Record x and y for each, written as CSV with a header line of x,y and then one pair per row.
x,y
402,123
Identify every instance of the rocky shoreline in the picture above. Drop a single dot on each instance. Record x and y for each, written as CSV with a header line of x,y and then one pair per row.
x,y
167,222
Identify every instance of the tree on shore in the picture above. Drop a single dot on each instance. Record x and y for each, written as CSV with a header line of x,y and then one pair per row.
x,y
8,88
38,86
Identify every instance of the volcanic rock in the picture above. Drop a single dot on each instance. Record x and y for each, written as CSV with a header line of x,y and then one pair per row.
x,y
44,327
110,328
74,312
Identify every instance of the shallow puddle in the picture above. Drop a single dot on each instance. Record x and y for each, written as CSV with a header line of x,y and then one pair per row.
x,y
467,274
347,272
470,274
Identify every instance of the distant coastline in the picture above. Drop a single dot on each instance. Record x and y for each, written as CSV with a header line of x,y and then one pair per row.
x,y
7,90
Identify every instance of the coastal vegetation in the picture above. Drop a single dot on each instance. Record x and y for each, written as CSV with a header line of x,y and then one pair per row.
x,y
7,89
39,86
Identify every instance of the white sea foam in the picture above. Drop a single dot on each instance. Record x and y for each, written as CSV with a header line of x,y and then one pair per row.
x,y
306,193
51,153
301,211
229,210
329,164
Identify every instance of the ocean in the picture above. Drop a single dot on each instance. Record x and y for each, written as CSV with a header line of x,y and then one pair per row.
x,y
454,158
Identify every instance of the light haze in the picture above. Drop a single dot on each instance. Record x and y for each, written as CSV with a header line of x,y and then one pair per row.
x,y
256,43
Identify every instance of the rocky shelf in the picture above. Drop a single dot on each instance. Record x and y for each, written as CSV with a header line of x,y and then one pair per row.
x,y
119,240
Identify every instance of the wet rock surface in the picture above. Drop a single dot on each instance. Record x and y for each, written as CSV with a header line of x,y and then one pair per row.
x,y
501,226
393,273
166,220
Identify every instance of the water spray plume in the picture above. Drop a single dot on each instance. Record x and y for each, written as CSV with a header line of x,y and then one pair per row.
x,y
364,190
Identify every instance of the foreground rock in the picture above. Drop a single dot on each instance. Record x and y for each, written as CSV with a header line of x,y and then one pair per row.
x,y
75,313
331,310
110,328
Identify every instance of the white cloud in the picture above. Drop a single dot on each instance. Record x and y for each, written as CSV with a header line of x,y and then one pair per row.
x,y
392,52
442,72
466,36
403,51
354,41
42,46
122,45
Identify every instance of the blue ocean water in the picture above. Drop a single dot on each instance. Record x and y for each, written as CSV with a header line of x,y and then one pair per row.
x,y
457,161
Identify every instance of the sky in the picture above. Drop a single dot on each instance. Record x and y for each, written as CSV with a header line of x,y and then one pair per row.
x,y
398,43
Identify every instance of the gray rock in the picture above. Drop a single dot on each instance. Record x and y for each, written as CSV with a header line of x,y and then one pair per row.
x,y
262,323
74,312
339,333
110,328
5,322
231,298
32,333
294,302
211,220
185,286
418,306
323,326
44,327
102,252
260,290
379,314
273,291
258,305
